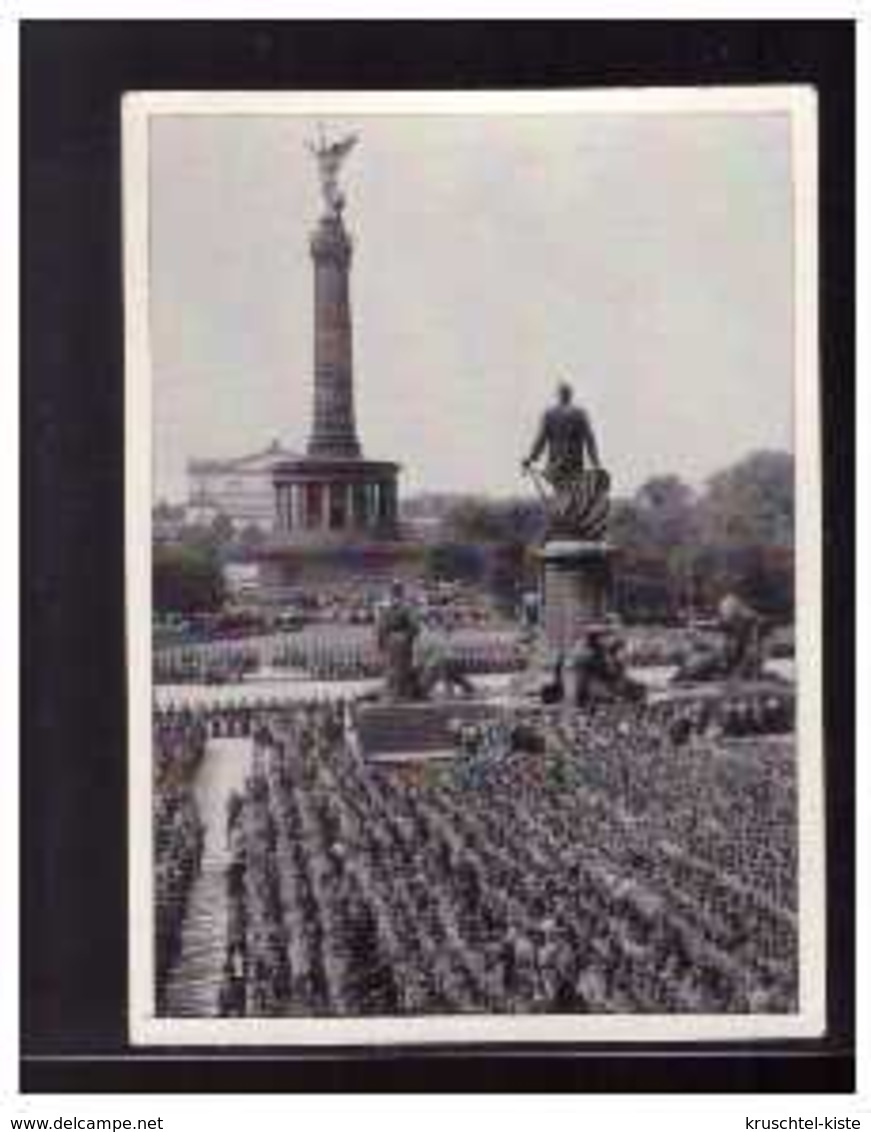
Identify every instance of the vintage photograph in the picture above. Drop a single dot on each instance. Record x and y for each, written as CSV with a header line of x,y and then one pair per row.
x,y
473,581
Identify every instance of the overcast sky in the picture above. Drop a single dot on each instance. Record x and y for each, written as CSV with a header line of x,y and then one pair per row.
x,y
646,259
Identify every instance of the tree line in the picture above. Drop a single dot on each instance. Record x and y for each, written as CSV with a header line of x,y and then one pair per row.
x,y
677,549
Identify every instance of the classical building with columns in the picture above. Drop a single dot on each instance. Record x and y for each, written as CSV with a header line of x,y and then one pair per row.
x,y
239,488
332,498
334,501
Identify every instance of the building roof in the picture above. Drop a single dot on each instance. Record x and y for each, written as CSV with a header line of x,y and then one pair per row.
x,y
262,461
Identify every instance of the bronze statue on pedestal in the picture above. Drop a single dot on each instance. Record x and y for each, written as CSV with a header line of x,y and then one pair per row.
x,y
575,496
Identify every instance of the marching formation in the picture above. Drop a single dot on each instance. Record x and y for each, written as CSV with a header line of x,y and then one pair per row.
x,y
611,870
179,744
325,655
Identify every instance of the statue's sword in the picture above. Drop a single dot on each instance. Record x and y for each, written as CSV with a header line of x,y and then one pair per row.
x,y
535,476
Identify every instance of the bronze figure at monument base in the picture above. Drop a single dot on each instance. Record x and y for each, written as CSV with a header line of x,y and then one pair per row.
x,y
396,633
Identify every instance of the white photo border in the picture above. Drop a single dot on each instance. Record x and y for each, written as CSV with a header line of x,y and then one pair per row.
x,y
809,1021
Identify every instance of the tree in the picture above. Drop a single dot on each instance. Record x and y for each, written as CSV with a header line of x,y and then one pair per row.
x,y
165,512
666,508
656,534
752,502
186,580
473,521
679,552
250,539
477,520
454,562
509,572
746,519
761,575
221,531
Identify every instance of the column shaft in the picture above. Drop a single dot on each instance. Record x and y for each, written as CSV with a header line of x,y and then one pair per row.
x,y
334,430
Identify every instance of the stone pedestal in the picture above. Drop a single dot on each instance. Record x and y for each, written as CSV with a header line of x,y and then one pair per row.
x,y
575,590
399,732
